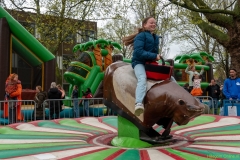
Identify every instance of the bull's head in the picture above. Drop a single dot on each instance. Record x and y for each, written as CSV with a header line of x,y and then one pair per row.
x,y
168,100
184,111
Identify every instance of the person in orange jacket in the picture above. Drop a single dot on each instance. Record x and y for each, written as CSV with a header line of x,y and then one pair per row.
x,y
12,110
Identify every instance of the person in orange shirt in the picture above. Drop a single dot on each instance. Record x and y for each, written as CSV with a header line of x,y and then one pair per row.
x,y
12,110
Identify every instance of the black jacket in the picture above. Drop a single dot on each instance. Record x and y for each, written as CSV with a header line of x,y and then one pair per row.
x,y
55,106
211,91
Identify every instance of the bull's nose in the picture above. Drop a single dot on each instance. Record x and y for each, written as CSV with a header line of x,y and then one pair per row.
x,y
199,108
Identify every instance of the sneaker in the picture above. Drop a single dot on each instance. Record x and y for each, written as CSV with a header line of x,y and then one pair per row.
x,y
139,109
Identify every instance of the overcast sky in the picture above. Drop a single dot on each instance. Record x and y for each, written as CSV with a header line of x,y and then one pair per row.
x,y
174,50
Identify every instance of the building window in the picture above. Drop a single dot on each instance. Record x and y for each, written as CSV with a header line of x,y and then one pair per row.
x,y
85,36
60,62
71,37
30,27
91,35
79,36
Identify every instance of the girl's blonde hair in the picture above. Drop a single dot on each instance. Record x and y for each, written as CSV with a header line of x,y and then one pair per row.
x,y
129,39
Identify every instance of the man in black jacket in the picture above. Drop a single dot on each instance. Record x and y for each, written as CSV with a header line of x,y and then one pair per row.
x,y
213,91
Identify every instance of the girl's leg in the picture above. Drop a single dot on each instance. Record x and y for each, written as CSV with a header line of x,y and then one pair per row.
x,y
140,92
140,73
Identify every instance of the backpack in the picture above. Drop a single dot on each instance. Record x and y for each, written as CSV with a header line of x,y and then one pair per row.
x,y
89,95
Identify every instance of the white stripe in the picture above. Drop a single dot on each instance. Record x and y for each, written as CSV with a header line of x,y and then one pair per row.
x,y
155,154
58,155
94,122
45,156
221,148
221,138
21,141
31,127
221,122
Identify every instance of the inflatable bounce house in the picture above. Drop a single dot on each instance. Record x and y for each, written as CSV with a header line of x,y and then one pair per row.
x,y
22,53
200,60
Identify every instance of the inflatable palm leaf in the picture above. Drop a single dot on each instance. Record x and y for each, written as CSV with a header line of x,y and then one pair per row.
x,y
184,58
178,57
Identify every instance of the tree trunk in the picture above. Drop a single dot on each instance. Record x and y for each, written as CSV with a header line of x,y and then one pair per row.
x,y
233,47
235,59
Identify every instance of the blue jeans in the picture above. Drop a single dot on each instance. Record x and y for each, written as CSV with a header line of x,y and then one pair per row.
x,y
214,102
76,108
86,107
140,92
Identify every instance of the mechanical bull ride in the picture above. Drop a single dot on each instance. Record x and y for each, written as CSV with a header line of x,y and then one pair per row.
x,y
165,102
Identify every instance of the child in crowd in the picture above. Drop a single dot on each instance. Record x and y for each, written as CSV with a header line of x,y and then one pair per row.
x,y
197,91
191,71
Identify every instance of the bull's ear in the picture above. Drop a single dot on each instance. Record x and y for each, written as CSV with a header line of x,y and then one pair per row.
x,y
181,102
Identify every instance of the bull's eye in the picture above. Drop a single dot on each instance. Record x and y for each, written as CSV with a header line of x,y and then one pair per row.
x,y
181,102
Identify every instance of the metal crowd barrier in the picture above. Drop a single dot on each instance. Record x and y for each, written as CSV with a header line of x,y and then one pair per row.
x,y
231,107
57,108
209,101
13,111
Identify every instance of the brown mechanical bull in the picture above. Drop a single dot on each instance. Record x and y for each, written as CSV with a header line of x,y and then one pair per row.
x,y
165,102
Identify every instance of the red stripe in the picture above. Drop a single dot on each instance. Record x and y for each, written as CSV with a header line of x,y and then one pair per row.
x,y
115,155
83,154
144,155
35,123
15,125
157,76
174,156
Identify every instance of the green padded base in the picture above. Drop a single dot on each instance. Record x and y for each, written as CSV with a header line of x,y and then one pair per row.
x,y
128,142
